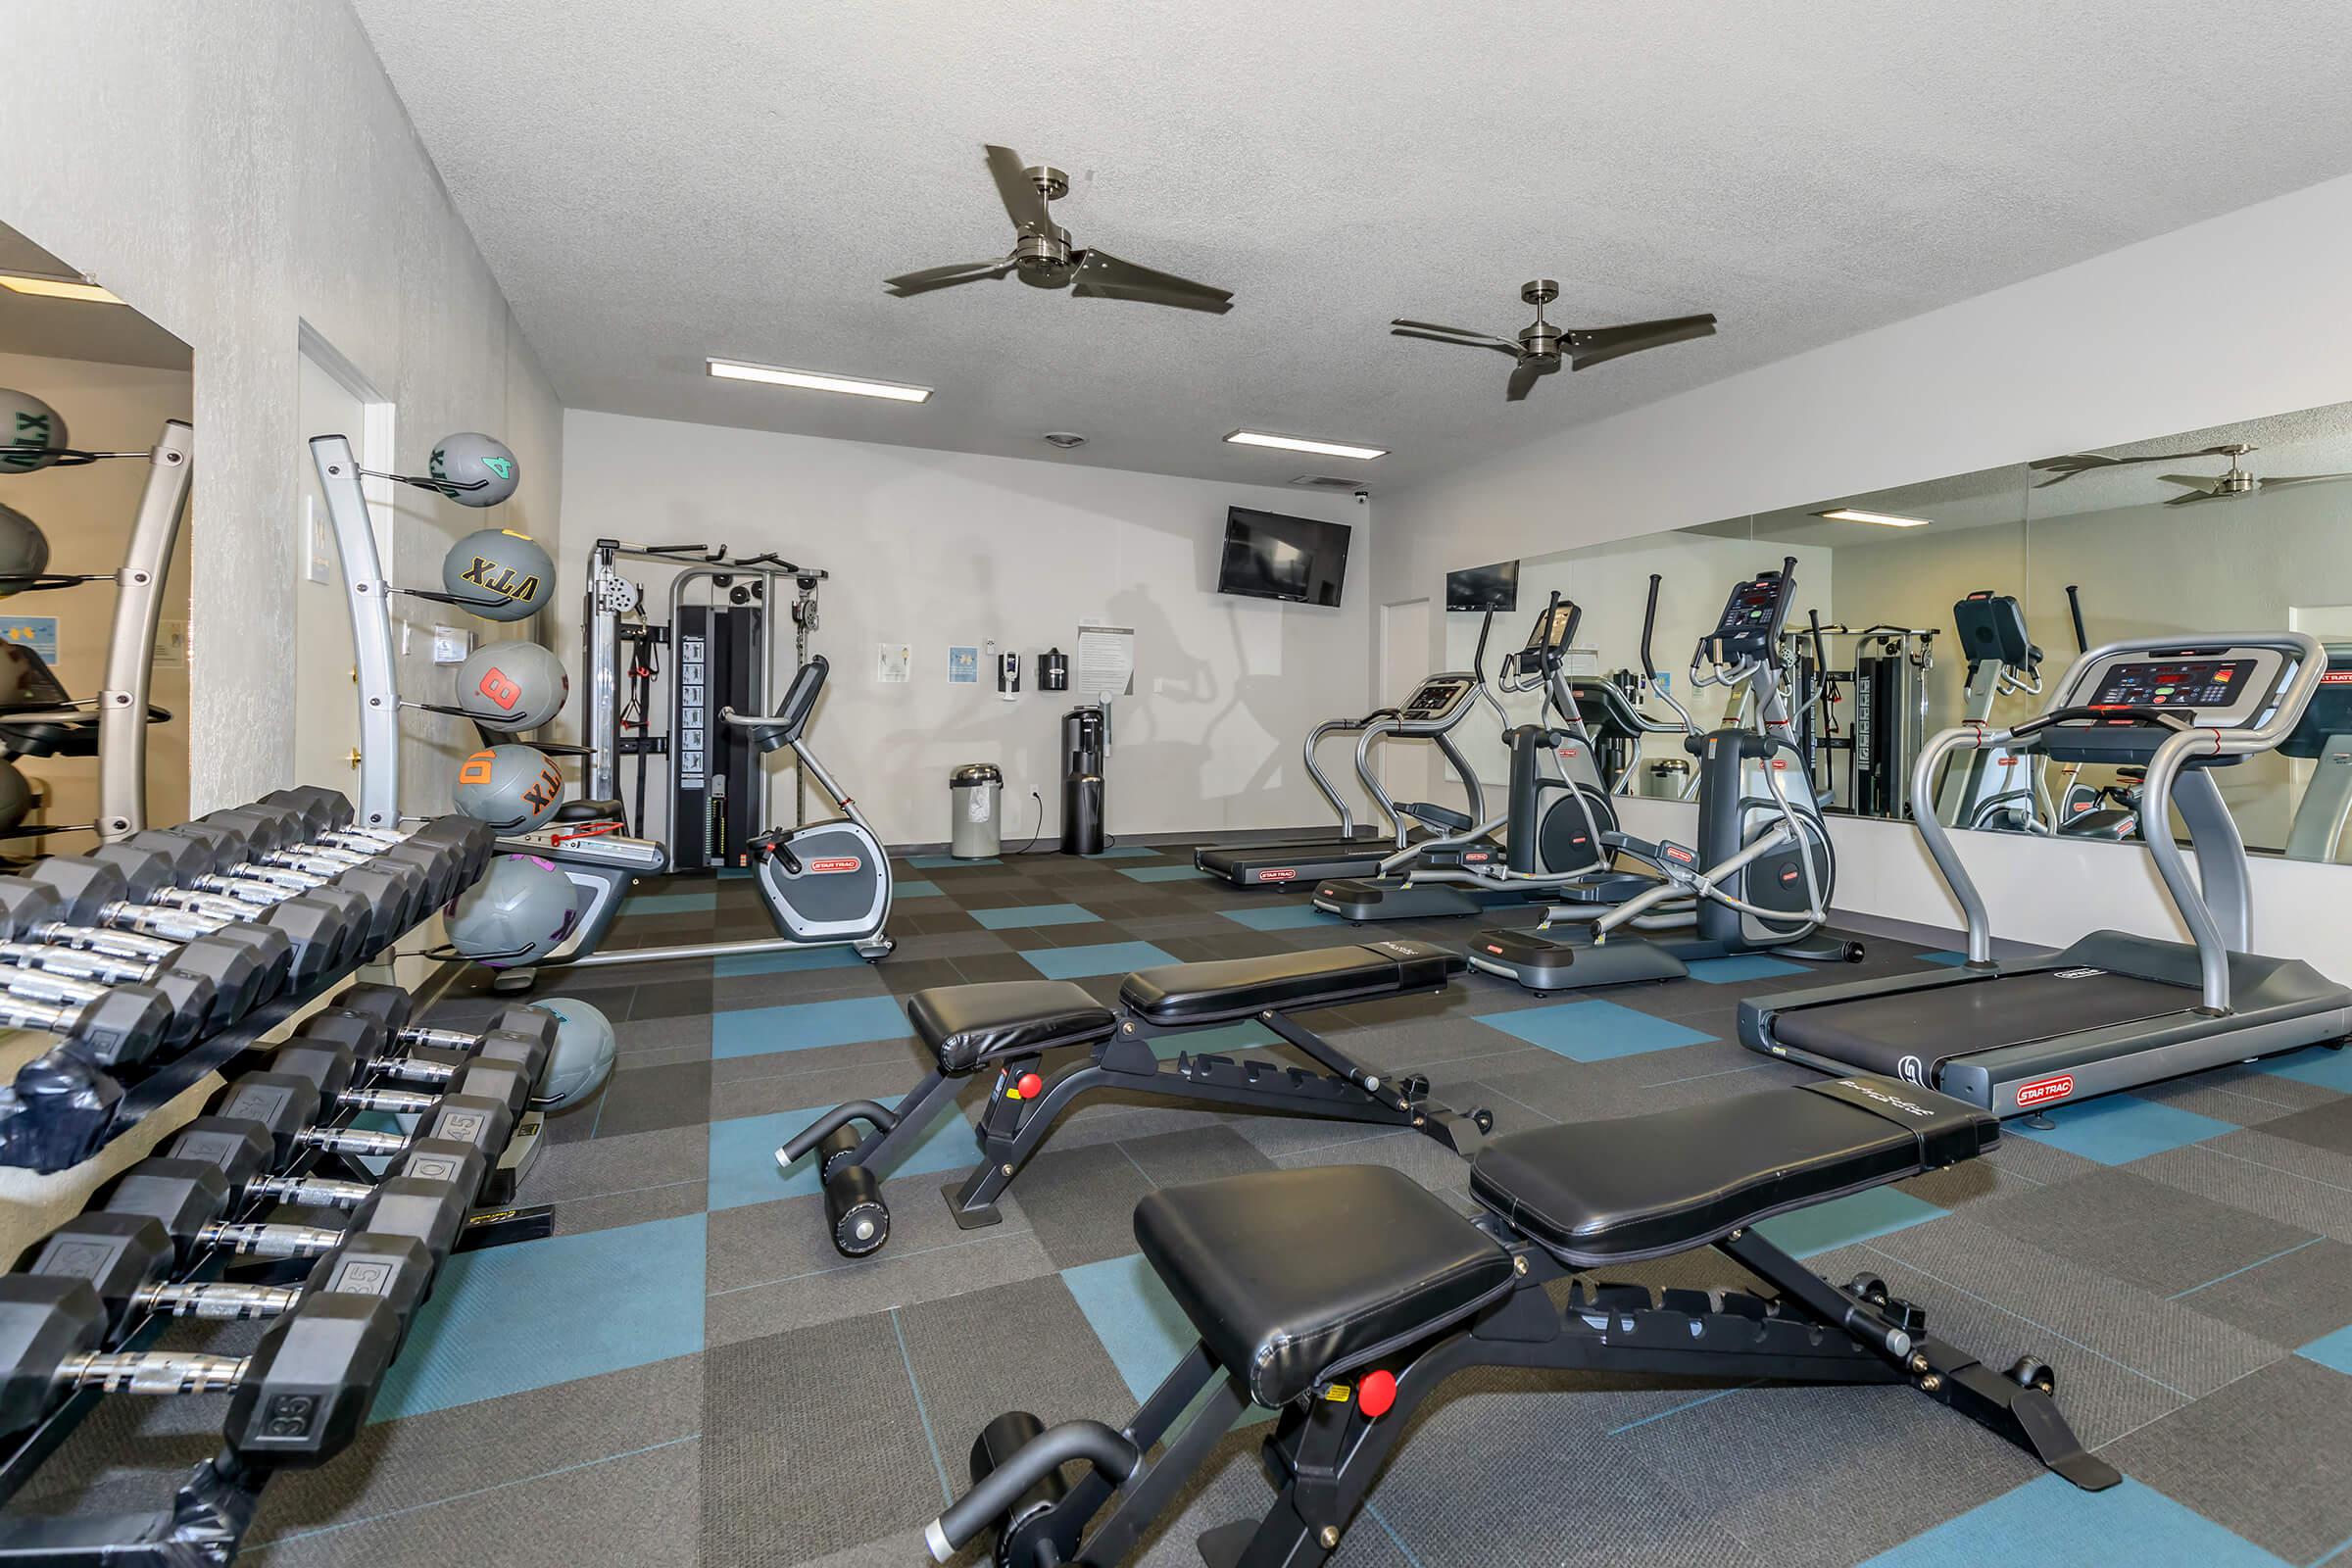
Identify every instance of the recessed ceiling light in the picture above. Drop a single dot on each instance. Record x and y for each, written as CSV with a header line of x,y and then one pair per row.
x,y
1884,519
777,375
57,288
1293,443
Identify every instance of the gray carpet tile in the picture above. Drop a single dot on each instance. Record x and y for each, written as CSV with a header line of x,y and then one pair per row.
x,y
813,1440
2327,1126
1080,1202
2268,1456
643,1100
2142,1232
2289,1299
2282,1179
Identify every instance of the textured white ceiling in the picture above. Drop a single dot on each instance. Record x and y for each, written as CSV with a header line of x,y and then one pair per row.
x,y
656,183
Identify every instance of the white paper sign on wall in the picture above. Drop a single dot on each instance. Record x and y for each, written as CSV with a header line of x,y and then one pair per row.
x,y
894,663
963,666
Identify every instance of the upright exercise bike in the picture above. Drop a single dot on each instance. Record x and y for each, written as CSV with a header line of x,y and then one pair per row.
x,y
1759,879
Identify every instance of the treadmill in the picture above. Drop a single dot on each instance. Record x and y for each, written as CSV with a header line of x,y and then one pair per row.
x,y
2112,1011
2325,739
1435,707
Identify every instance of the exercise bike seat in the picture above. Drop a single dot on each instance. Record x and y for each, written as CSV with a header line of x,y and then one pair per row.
x,y
1640,1187
1295,1276
963,1026
590,812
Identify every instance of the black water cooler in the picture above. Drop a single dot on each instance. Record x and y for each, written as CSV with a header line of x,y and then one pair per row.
x,y
1085,745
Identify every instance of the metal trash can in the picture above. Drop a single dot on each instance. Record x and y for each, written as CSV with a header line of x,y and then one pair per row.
x,y
1666,779
975,791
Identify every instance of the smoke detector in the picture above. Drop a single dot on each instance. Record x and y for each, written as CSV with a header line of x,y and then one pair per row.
x,y
1064,439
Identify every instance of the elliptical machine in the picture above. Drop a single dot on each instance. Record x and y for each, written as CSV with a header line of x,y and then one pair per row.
x,y
1553,825
1761,875
1996,788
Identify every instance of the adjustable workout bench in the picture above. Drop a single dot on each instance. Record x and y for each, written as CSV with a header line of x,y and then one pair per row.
x,y
1009,1025
1342,1296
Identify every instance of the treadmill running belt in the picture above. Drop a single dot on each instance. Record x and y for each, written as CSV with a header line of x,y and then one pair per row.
x,y
1910,1034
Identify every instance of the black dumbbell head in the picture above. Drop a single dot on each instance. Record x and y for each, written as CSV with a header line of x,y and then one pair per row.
x,y
410,1205
242,1150
281,1105
43,1320
397,1270
123,1028
391,1004
306,1388
117,1253
183,1196
436,1159
483,1124
237,959
82,883
319,936
26,906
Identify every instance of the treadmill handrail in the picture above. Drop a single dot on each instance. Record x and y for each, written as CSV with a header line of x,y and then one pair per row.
x,y
1314,770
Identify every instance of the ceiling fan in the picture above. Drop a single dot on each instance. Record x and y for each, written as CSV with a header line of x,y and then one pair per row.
x,y
1044,256
2067,464
2236,481
1541,345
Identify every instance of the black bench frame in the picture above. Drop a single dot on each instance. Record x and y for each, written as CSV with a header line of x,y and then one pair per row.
x,y
1009,1130
1325,1453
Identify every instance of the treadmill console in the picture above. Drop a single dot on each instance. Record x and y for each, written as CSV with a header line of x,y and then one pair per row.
x,y
1435,700
2223,686
1750,629
1554,629
2329,715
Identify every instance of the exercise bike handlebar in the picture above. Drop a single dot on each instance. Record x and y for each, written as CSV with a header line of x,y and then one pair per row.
x,y
994,1493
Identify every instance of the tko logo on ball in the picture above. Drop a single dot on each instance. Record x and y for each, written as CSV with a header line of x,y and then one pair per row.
x,y
501,581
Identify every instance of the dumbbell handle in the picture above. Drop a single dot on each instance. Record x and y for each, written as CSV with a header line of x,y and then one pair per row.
x,y
173,922
98,939
243,878
221,907
415,1035
22,1013
78,964
154,1372
398,1102
300,858
310,1192
264,1239
43,985
353,1141
216,1301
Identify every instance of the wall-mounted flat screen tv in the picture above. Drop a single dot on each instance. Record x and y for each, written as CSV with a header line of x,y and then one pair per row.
x,y
1495,587
1268,555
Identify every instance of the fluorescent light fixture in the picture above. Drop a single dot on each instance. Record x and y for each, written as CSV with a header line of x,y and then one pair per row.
x,y
57,288
1884,519
777,375
1293,443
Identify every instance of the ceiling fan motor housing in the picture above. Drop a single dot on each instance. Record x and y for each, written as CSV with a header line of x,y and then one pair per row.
x,y
1542,341
1042,259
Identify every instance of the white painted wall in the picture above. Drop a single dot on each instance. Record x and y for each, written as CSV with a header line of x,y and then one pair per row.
x,y
86,515
2081,358
937,548
233,169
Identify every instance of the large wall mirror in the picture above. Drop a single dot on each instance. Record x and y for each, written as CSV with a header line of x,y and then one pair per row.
x,y
1967,597
88,390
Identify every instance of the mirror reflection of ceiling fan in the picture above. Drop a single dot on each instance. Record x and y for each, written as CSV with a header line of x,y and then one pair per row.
x,y
2228,485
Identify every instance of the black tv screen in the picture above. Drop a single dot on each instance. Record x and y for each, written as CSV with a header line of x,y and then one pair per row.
x,y
1268,555
1495,587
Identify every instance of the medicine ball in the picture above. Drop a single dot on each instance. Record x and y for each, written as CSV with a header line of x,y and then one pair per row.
x,y
511,687
480,465
516,914
32,432
499,576
23,551
513,787
16,794
583,1055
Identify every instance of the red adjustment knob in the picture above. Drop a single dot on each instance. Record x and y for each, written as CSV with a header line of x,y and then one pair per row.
x,y
1377,1394
1029,1086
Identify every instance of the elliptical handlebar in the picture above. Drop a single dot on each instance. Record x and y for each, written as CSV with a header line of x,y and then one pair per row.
x,y
1649,619
2074,606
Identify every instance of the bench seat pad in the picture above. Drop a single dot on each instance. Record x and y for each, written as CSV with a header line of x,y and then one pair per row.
x,y
967,1025
1611,1192
1219,990
1293,1276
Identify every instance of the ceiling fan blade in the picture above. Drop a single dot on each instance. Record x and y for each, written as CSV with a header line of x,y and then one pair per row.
x,y
931,277
2069,464
1524,378
2195,496
2195,482
1024,202
1432,328
1601,344
1105,276
2301,478
1468,341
